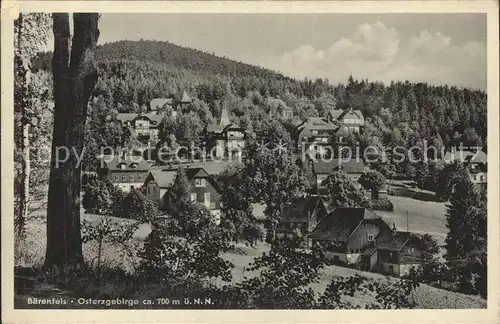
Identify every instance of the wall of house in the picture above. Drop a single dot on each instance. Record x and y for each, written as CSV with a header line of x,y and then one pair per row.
x,y
153,192
359,239
200,194
353,258
404,269
320,178
391,268
480,177
342,257
127,186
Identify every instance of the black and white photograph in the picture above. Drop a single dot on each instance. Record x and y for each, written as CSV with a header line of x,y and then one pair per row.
x,y
320,161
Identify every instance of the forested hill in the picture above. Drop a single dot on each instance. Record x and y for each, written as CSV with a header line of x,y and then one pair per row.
x,y
134,72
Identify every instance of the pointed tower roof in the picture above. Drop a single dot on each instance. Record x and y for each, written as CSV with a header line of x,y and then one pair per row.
x,y
185,97
224,117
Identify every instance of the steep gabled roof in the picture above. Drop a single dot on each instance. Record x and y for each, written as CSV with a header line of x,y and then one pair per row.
x,y
192,173
157,103
299,208
164,179
335,113
467,156
395,240
224,117
341,222
317,123
480,157
185,97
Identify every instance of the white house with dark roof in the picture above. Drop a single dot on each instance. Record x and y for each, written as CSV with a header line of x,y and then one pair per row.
x,y
159,103
125,172
350,119
321,169
316,133
202,187
144,127
476,163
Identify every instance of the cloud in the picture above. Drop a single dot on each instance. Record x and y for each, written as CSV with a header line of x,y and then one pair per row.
x,y
376,52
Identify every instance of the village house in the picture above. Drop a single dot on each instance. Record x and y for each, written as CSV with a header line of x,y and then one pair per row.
x,y
224,139
203,188
315,134
347,232
350,120
397,252
302,214
476,163
144,127
158,104
320,170
124,171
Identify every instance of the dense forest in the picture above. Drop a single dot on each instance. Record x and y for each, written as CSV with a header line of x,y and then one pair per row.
x,y
134,72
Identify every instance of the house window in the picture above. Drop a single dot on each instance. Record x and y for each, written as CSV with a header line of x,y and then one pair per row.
x,y
207,199
131,178
123,166
315,132
370,237
193,196
117,178
200,183
124,178
139,177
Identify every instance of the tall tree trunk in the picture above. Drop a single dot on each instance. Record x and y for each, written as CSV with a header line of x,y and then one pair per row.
x,y
23,79
73,84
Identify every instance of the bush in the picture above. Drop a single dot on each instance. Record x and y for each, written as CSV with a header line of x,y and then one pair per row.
x,y
100,196
137,206
382,204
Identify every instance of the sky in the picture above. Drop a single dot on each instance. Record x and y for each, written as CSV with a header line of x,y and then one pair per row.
x,y
434,48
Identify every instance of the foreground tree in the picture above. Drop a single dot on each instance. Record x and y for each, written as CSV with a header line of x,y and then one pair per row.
x,y
467,237
74,70
372,180
344,192
275,178
30,33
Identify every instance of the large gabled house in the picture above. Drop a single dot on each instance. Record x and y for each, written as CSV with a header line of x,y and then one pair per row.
x,y
350,120
321,169
125,172
302,214
315,134
202,187
347,232
225,140
144,126
398,252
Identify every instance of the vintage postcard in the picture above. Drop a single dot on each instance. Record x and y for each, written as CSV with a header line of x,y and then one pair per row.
x,y
308,161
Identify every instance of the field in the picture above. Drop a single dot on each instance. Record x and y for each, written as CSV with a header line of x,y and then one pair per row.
x,y
423,216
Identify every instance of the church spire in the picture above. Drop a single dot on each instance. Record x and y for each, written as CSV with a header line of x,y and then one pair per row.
x,y
224,116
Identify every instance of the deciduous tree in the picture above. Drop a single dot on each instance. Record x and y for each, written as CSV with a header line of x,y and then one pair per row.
x,y
75,74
